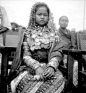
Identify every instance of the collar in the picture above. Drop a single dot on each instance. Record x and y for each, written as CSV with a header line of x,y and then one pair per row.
x,y
65,32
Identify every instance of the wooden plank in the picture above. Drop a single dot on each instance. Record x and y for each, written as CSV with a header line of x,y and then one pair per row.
x,y
12,39
4,71
70,62
4,66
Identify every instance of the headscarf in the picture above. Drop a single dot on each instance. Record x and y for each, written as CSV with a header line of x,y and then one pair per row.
x,y
32,23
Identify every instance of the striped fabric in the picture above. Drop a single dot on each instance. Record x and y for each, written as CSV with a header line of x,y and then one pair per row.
x,y
28,85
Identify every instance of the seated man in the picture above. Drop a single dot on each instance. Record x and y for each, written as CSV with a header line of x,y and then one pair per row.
x,y
68,41
65,34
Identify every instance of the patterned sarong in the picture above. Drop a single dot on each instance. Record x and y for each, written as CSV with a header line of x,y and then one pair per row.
x,y
28,85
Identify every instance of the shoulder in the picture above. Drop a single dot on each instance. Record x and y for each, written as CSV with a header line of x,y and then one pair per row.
x,y
27,32
68,31
2,9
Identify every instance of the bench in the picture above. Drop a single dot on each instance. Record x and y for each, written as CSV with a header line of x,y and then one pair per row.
x,y
10,43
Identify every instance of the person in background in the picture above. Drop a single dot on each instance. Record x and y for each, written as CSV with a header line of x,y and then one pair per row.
x,y
15,26
4,21
40,74
64,33
4,24
68,41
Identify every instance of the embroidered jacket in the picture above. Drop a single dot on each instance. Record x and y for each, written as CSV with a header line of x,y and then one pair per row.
x,y
37,44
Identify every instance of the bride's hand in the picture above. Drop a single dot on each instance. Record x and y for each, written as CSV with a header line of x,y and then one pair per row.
x,y
39,71
49,72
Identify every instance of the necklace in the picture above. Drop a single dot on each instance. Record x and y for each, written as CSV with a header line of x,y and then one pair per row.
x,y
41,37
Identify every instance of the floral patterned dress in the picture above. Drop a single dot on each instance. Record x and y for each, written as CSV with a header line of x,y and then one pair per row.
x,y
36,45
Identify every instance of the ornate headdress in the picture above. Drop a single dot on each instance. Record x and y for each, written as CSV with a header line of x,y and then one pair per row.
x,y
32,23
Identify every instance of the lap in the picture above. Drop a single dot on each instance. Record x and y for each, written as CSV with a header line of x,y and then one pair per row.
x,y
28,85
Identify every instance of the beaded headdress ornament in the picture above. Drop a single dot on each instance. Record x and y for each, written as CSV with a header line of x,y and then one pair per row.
x,y
32,23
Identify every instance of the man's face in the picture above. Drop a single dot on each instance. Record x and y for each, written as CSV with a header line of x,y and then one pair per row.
x,y
42,16
63,22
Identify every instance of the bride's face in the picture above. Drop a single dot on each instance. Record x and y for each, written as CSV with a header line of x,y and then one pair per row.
x,y
42,16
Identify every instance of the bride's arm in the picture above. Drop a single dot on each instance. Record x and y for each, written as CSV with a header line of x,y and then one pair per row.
x,y
29,61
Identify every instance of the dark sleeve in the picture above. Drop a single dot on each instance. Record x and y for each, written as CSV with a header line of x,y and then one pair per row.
x,y
56,50
3,29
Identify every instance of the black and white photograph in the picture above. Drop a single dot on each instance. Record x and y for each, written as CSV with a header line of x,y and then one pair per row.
x,y
42,46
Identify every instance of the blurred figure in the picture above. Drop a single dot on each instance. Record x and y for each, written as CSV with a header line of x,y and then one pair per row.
x,y
4,26
70,39
15,26
4,21
63,21
64,33
73,30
